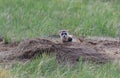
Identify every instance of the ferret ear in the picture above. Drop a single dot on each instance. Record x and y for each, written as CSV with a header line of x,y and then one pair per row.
x,y
59,32
63,30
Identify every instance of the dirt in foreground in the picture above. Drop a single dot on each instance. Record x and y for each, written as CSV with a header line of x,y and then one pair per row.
x,y
95,49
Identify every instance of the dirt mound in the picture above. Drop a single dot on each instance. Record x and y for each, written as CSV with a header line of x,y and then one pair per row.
x,y
9,46
31,47
73,54
110,46
95,50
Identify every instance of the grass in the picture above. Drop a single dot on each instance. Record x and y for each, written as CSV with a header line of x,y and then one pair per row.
x,y
20,19
47,67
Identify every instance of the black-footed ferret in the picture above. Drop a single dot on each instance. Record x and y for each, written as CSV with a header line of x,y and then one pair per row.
x,y
65,37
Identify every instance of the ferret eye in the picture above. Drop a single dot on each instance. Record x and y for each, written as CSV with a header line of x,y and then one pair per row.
x,y
62,34
65,33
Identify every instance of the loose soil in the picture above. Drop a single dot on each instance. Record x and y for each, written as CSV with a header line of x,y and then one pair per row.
x,y
99,50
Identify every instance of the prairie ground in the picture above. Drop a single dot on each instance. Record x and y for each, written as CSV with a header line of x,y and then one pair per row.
x,y
21,19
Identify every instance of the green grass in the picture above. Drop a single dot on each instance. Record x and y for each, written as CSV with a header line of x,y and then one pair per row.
x,y
47,67
20,19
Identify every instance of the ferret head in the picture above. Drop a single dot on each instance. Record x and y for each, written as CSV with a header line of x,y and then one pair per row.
x,y
63,33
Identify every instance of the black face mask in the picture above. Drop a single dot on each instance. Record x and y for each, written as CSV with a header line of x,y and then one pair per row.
x,y
64,34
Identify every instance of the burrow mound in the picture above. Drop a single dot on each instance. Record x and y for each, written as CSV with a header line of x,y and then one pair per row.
x,y
95,50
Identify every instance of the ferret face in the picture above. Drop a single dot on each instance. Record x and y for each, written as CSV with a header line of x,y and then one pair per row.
x,y
63,33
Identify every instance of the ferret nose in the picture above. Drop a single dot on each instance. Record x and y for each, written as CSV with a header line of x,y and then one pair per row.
x,y
64,36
